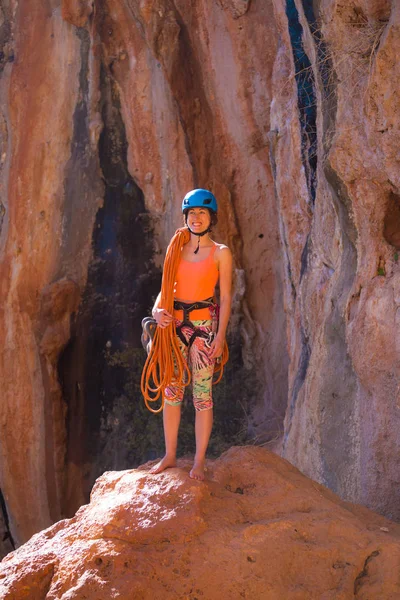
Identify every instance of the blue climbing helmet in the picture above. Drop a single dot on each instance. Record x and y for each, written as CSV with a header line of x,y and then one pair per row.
x,y
199,198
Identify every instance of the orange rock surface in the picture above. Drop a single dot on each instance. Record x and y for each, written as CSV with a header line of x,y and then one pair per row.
x,y
342,423
194,98
303,157
41,237
256,528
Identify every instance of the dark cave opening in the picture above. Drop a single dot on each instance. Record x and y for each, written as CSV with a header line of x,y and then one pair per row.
x,y
325,72
105,343
7,543
391,225
306,97
324,63
108,425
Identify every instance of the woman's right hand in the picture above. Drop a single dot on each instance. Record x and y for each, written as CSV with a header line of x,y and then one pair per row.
x,y
163,317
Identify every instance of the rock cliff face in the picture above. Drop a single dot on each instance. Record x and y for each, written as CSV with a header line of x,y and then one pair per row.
x,y
109,113
256,529
343,275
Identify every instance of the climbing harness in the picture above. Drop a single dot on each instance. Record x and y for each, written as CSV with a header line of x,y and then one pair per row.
x,y
165,362
186,322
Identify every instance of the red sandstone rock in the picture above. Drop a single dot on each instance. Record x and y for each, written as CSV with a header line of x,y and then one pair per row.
x,y
45,251
206,123
76,12
343,420
208,97
194,87
256,528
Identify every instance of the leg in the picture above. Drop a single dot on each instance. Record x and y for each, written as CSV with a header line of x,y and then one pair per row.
x,y
203,427
171,420
202,374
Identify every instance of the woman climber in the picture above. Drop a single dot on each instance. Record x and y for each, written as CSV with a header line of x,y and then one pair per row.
x,y
189,343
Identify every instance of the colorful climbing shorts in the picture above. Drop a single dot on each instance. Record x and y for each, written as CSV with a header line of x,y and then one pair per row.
x,y
201,367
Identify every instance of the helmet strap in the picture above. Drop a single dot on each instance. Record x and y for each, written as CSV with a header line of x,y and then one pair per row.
x,y
199,235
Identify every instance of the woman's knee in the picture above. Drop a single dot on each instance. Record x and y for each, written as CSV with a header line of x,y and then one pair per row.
x,y
201,404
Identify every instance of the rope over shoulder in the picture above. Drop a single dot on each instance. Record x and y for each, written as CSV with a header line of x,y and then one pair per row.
x,y
165,361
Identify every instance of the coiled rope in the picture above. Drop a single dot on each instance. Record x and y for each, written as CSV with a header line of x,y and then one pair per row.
x,y
165,363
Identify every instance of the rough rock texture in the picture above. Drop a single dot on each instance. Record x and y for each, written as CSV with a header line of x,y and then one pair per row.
x,y
45,248
195,98
109,112
116,108
256,529
337,179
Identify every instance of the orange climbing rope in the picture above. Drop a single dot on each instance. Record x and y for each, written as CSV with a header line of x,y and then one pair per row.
x,y
165,361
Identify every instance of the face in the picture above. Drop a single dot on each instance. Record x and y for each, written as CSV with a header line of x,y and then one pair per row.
x,y
198,219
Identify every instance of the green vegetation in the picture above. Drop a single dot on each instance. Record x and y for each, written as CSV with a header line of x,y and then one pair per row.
x,y
138,434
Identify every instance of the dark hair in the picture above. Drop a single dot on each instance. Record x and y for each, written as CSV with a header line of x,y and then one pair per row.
x,y
213,217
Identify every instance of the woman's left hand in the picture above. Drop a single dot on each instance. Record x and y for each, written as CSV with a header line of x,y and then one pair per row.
x,y
217,347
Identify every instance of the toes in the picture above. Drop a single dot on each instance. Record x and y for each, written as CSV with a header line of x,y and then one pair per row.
x,y
197,476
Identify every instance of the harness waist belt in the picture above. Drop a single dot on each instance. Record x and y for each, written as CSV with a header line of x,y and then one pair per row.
x,y
187,308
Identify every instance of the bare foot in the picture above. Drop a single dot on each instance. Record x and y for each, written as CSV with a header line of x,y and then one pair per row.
x,y
197,471
165,463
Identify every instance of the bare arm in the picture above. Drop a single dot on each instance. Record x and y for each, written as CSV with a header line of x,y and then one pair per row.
x,y
225,284
162,316
156,304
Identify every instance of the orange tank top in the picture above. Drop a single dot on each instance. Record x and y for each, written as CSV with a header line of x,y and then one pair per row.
x,y
196,281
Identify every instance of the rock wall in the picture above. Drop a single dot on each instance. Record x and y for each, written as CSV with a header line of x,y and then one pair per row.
x,y
127,106
110,112
338,182
50,199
